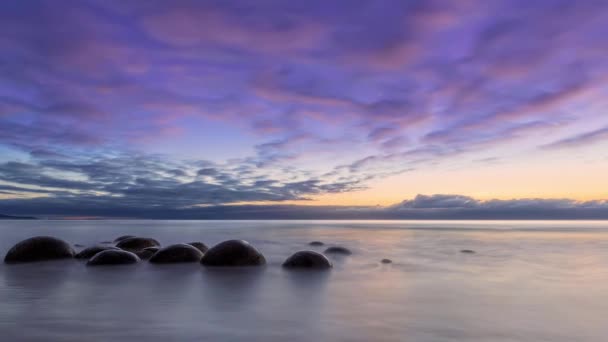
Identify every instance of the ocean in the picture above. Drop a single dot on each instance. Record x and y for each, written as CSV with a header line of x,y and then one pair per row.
x,y
526,281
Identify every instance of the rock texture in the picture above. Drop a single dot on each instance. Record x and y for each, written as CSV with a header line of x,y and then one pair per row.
x,y
39,248
233,253
338,250
307,259
88,252
113,257
136,244
177,253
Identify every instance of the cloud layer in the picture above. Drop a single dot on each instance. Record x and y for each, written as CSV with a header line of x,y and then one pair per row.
x,y
177,105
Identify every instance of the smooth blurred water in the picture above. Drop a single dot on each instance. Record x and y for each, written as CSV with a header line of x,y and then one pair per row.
x,y
528,281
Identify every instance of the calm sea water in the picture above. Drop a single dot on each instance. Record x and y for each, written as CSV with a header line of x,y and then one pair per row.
x,y
528,281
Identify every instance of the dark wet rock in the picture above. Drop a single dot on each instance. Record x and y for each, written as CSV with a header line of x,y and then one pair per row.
x,y
147,252
200,246
338,250
113,257
386,261
89,252
120,238
136,244
177,253
106,242
233,253
39,248
78,245
307,259
316,243
467,251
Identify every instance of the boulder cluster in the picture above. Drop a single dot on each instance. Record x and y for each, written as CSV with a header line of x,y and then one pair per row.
x,y
129,249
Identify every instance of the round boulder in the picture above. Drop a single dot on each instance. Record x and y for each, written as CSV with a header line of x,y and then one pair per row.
x,y
113,257
39,248
88,252
136,244
180,252
120,238
233,253
316,243
200,246
338,250
307,259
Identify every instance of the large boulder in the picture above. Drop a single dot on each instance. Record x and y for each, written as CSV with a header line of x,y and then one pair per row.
x,y
338,250
88,252
123,237
113,257
136,244
39,248
233,253
200,246
307,259
180,252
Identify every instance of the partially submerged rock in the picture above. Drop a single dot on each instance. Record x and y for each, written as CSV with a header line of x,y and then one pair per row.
x,y
200,246
136,244
123,237
113,257
89,252
386,261
177,253
233,253
307,259
338,250
316,243
467,251
147,252
39,248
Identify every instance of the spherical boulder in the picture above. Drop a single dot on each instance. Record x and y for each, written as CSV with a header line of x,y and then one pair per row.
x,y
39,248
338,250
177,253
233,253
88,252
135,244
113,257
307,259
316,243
123,237
200,246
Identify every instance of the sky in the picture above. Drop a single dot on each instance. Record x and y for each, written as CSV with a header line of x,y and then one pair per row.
x,y
304,109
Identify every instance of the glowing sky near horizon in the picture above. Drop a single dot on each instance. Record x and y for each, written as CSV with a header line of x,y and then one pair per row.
x,y
191,103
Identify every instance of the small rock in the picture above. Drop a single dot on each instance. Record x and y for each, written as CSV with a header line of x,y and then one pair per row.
x,y
467,251
120,238
106,242
200,246
39,248
177,253
113,257
89,252
386,261
147,252
78,245
136,244
316,243
307,259
233,253
338,250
